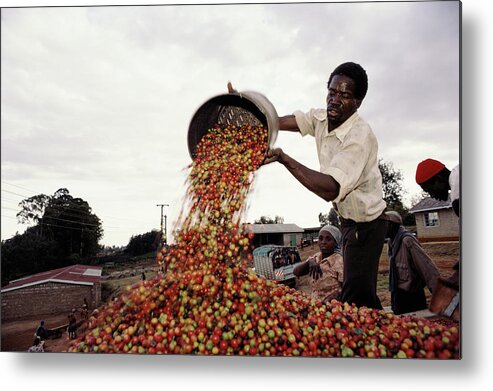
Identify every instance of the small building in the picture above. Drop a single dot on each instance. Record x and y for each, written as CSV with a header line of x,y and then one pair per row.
x,y
436,220
52,292
310,235
278,234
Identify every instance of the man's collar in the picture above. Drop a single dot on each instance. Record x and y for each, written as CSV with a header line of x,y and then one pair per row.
x,y
342,130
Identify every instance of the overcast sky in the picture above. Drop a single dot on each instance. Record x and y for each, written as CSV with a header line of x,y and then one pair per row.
x,y
98,100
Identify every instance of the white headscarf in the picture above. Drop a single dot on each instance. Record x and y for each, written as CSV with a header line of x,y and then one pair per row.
x,y
334,231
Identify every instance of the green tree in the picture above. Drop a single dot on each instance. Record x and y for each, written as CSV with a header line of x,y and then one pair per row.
x,y
64,231
32,211
269,220
142,244
391,184
323,219
27,253
70,222
393,191
331,218
334,218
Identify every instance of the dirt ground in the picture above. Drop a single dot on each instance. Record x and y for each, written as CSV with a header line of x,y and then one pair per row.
x,y
18,335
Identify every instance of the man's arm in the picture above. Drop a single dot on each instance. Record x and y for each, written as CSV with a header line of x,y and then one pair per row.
x,y
322,185
310,267
423,264
288,122
301,269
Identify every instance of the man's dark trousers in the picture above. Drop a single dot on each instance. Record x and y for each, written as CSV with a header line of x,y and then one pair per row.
x,y
362,247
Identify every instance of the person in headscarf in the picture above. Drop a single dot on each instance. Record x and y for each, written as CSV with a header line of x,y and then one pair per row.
x,y
326,267
410,268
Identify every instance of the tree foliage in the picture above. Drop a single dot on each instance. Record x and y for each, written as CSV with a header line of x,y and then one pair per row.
x,y
33,209
269,220
334,218
142,244
64,231
393,191
331,218
391,184
27,253
70,222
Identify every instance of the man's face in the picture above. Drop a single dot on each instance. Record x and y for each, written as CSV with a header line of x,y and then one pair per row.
x,y
436,187
341,103
326,243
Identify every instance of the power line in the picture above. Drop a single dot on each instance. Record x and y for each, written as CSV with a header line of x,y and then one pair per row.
x,y
10,199
69,221
74,209
17,194
69,207
20,187
6,207
65,227
73,221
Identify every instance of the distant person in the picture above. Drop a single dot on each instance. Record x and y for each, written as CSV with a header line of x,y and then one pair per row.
x,y
37,346
326,267
437,180
85,309
72,325
143,276
41,331
410,268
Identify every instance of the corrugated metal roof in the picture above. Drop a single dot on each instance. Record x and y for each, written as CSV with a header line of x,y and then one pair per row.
x,y
429,203
74,274
276,228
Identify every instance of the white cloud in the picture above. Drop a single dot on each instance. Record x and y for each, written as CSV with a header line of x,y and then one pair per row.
x,y
99,99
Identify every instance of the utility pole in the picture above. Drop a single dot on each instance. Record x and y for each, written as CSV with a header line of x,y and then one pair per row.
x,y
163,233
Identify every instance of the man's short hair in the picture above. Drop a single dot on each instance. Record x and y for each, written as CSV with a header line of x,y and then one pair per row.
x,y
355,72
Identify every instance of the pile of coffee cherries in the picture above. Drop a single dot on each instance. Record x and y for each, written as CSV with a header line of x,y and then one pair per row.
x,y
208,302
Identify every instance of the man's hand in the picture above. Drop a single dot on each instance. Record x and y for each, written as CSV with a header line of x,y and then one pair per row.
x,y
273,155
314,269
230,88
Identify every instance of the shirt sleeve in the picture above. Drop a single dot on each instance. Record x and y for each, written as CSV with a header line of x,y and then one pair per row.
x,y
307,121
422,263
454,181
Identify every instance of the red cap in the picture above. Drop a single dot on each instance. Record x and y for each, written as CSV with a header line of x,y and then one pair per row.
x,y
428,169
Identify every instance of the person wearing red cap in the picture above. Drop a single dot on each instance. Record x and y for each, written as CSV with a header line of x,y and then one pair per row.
x,y
437,180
